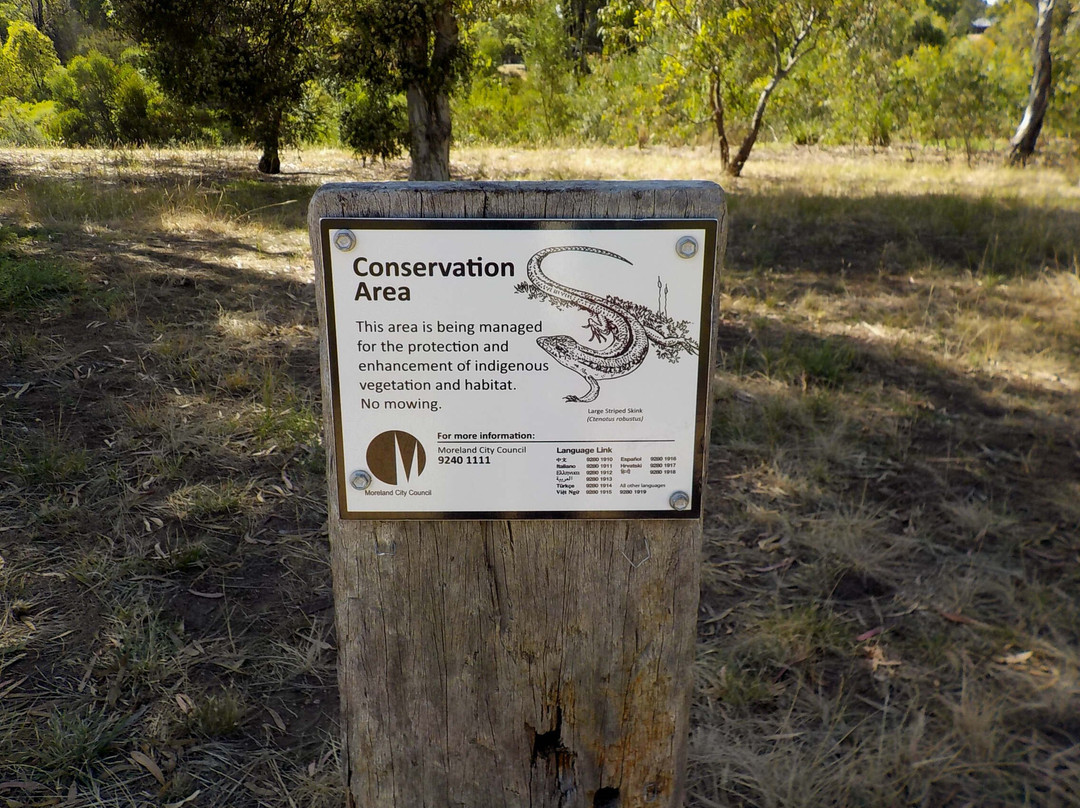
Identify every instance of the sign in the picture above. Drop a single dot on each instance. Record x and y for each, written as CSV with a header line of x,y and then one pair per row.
x,y
517,369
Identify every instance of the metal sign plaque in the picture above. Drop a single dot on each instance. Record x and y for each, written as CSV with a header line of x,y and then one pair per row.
x,y
520,369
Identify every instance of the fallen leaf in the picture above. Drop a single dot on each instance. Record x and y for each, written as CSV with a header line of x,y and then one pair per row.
x,y
22,785
1014,659
963,620
194,795
878,660
866,635
260,791
185,703
772,543
277,718
148,763
210,595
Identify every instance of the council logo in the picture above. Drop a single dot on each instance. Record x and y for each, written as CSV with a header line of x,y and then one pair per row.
x,y
396,457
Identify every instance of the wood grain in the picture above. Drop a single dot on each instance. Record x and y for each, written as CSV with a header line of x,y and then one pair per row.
x,y
534,663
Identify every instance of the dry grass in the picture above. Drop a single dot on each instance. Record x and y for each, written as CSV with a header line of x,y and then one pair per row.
x,y
891,609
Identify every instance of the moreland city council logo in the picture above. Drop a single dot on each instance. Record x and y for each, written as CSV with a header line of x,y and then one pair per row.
x,y
396,457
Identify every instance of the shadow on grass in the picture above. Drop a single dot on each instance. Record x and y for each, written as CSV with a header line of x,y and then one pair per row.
x,y
896,235
881,531
854,486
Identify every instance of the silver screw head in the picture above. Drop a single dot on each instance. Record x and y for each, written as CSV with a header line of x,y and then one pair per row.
x,y
686,247
360,480
344,240
680,500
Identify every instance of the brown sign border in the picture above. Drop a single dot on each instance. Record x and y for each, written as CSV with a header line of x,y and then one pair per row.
x,y
701,431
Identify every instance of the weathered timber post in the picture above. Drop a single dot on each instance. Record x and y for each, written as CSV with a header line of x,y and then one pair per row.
x,y
516,395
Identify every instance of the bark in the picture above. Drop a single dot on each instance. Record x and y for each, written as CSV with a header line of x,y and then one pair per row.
x,y
270,163
1027,134
716,100
429,104
735,167
37,15
429,133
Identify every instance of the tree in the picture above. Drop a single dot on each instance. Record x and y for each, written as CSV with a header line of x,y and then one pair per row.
x,y
741,51
412,47
954,92
248,58
1027,133
28,57
582,19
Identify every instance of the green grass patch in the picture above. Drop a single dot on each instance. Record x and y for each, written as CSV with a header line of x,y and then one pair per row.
x,y
46,462
65,744
28,283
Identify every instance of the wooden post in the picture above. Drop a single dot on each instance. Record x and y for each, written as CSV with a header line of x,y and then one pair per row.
x,y
545,662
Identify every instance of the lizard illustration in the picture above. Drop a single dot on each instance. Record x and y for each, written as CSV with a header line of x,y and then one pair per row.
x,y
624,330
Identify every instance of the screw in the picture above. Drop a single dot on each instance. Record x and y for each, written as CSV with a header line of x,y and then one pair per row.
x,y
686,247
680,500
344,240
359,480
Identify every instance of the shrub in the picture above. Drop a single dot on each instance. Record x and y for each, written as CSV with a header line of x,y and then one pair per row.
x,y
27,59
101,102
26,124
374,124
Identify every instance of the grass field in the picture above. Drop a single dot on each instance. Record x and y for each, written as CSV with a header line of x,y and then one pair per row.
x,y
891,605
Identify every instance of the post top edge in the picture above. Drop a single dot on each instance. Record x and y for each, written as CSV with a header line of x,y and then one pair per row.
x,y
457,186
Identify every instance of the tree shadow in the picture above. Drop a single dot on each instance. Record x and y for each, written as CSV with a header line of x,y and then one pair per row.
x,y
894,234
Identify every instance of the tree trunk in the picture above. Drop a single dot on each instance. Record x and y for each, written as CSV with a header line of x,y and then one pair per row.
x,y
716,100
269,163
429,103
735,167
1027,134
429,133
37,15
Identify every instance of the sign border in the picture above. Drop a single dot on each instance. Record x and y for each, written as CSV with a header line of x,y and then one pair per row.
x,y
711,226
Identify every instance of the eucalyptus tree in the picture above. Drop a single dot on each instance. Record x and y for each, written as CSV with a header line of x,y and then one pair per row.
x,y
738,52
250,59
1027,133
414,47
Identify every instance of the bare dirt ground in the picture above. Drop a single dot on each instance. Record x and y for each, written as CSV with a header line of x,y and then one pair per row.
x,y
891,608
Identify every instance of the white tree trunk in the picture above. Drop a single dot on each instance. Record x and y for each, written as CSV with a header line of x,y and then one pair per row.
x,y
1027,134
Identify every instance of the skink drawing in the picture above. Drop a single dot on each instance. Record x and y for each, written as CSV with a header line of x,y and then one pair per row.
x,y
622,330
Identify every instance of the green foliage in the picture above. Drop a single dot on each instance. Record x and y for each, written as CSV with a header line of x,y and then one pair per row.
x,y
549,67
527,72
735,55
959,92
526,89
1064,115
27,282
1012,34
100,102
75,738
394,45
251,60
25,124
27,59
415,48
314,120
374,124
508,104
